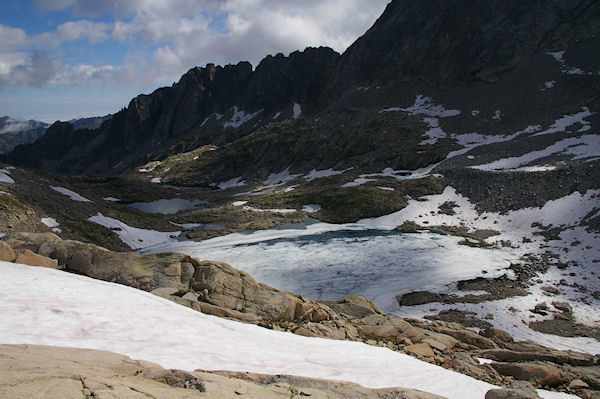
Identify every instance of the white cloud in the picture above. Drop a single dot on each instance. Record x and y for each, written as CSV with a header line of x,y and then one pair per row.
x,y
187,32
27,69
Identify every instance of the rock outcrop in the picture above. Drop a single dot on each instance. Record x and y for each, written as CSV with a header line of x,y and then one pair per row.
x,y
29,371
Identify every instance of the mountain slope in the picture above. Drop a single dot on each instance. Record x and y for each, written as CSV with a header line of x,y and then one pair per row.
x,y
456,41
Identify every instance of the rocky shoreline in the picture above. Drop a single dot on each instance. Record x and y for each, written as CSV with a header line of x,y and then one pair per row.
x,y
218,289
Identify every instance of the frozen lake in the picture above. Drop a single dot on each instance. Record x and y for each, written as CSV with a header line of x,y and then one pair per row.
x,y
324,261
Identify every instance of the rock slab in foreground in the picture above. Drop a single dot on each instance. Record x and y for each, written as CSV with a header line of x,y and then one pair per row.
x,y
29,371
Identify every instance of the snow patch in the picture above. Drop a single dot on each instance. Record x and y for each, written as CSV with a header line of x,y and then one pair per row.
x,y
317,174
357,182
239,117
561,125
235,182
52,223
579,147
423,106
497,115
111,199
239,203
132,236
71,194
434,133
277,179
311,208
297,109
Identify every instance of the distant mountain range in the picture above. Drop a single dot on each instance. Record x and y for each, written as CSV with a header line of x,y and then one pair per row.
x,y
14,132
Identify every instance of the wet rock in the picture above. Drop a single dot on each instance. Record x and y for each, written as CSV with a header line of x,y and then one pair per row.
x,y
419,298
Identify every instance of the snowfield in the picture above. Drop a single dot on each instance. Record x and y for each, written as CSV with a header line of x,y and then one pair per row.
x,y
48,307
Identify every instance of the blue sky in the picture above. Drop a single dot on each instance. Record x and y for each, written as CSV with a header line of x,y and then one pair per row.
x,y
64,59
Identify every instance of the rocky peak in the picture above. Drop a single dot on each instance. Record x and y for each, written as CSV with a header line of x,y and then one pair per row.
x,y
455,41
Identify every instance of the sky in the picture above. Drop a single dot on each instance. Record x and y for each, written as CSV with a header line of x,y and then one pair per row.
x,y
65,59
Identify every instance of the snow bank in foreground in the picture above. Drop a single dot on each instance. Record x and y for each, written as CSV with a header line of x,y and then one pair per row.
x,y
71,194
134,237
64,309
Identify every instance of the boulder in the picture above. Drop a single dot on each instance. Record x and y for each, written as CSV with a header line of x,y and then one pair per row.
x,y
497,335
6,252
173,270
578,384
517,390
538,374
420,350
26,257
354,305
470,337
553,356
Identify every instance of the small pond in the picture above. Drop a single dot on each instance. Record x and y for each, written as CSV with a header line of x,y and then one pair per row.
x,y
166,206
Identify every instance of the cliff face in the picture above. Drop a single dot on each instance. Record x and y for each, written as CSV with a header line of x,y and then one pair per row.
x,y
456,41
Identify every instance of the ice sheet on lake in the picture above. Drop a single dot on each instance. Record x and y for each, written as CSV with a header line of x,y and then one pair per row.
x,y
132,236
64,309
331,261
71,194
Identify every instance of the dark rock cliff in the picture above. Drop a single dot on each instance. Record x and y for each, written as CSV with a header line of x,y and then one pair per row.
x,y
177,118
456,41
